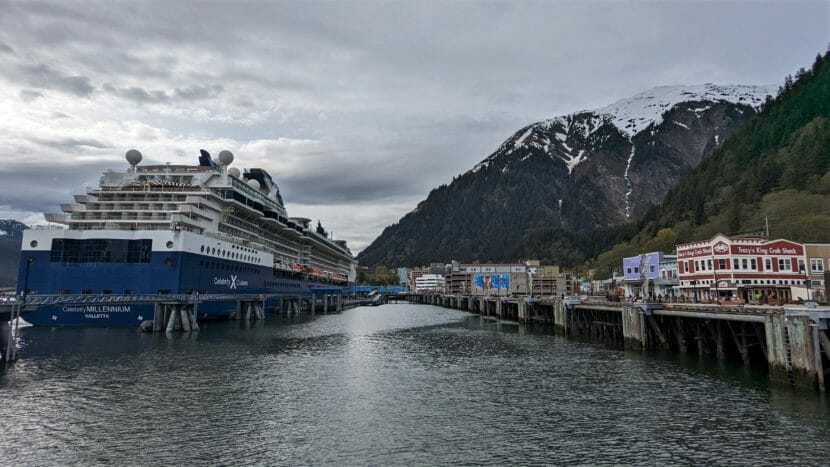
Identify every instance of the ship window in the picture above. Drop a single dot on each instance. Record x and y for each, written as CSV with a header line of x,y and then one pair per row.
x,y
33,243
203,248
66,250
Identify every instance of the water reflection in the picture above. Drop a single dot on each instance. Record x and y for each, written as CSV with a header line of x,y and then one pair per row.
x,y
390,385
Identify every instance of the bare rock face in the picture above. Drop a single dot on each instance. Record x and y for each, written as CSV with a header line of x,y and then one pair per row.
x,y
575,173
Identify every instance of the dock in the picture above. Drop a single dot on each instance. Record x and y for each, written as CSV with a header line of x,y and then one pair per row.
x,y
176,312
792,340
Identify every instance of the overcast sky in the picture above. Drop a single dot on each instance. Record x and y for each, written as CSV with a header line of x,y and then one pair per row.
x,y
357,109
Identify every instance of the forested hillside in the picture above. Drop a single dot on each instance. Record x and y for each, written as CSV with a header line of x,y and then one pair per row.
x,y
775,170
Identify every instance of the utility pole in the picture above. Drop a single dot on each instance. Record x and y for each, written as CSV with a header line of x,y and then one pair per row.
x,y
766,226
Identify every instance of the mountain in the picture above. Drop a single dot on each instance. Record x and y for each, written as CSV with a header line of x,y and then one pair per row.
x,y
556,189
774,173
11,233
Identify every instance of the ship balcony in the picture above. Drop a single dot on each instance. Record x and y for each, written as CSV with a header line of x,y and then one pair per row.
x,y
69,207
57,217
84,199
182,219
246,208
202,202
193,211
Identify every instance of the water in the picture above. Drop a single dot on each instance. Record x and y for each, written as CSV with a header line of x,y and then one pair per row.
x,y
396,384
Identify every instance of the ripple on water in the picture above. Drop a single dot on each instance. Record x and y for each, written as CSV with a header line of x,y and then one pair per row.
x,y
389,385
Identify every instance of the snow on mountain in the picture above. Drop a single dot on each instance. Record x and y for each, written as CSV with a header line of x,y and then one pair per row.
x,y
11,229
633,114
630,116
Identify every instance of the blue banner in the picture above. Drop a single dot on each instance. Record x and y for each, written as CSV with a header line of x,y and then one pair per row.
x,y
492,281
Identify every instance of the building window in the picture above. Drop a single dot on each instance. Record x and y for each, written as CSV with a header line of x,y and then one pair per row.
x,y
651,268
744,264
753,264
784,264
721,264
768,264
816,265
628,271
801,267
735,264
636,270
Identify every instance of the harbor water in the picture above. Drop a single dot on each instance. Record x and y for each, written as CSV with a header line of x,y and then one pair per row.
x,y
394,384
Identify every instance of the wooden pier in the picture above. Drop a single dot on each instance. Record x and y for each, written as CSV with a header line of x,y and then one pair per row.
x,y
792,341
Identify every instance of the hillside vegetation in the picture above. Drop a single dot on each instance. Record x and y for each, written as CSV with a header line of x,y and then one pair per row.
x,y
776,169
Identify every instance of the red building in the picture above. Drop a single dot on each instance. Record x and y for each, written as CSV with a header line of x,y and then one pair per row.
x,y
742,269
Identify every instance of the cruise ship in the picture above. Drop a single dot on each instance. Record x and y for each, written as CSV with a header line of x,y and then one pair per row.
x,y
177,230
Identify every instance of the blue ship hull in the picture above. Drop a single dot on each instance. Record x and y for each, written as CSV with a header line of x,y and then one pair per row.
x,y
166,273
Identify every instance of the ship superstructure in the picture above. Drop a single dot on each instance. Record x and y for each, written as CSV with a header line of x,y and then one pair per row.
x,y
179,229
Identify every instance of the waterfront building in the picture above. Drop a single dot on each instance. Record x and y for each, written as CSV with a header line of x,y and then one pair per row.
x,y
652,275
743,269
508,279
430,283
403,277
412,278
818,270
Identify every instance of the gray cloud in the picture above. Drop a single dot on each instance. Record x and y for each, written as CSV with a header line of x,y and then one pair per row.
x,y
72,145
28,95
37,190
196,92
137,94
46,77
190,93
400,96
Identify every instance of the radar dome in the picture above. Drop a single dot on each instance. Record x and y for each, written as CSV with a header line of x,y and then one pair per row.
x,y
254,184
133,156
234,171
225,157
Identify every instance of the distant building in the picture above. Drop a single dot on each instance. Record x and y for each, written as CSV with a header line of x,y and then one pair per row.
x,y
746,269
818,270
430,283
652,275
507,279
403,277
412,278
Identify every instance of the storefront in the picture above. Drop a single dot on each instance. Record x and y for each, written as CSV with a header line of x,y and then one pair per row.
x,y
742,270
